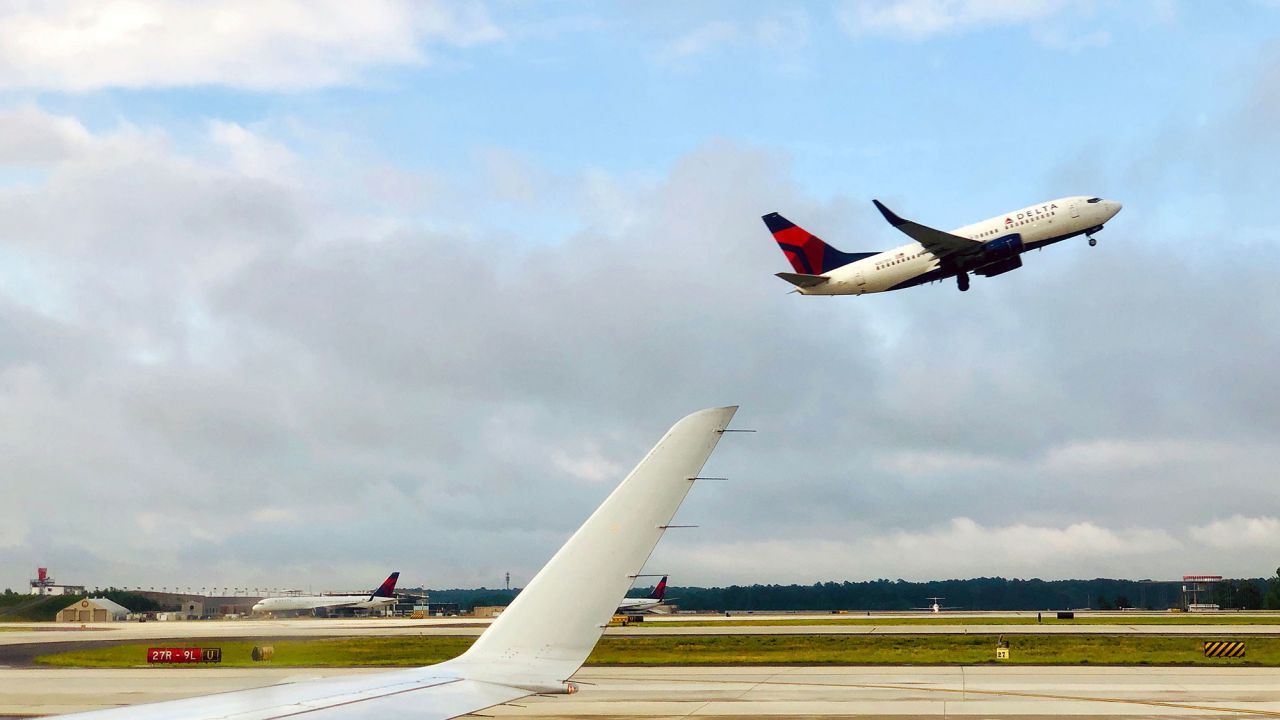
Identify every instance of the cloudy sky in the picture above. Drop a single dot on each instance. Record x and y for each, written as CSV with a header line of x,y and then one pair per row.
x,y
296,293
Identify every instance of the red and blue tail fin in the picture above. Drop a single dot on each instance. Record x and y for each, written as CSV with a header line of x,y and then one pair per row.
x,y
660,591
388,586
806,251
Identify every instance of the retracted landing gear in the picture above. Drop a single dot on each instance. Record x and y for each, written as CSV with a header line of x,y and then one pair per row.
x,y
962,280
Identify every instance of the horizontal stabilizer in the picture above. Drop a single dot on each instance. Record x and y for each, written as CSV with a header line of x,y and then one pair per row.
x,y
802,280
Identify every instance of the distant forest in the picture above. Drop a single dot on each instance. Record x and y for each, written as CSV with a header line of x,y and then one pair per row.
x,y
974,594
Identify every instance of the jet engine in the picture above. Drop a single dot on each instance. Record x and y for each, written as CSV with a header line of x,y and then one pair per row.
x,y
997,268
998,256
1002,248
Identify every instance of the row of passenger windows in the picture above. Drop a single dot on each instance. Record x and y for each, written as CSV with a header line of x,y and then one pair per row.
x,y
989,233
898,261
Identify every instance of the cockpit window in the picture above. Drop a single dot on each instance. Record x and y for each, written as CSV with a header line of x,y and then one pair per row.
x,y
1093,200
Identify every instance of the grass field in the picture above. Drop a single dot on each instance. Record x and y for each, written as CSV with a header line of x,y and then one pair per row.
x,y
1049,619
725,650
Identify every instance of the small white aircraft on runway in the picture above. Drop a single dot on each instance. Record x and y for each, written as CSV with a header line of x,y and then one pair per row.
x,y
384,595
936,606
990,247
534,646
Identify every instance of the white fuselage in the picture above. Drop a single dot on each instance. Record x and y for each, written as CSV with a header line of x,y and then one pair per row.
x,y
291,603
638,604
911,264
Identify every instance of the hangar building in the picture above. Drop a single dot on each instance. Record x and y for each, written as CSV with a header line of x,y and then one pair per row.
x,y
93,610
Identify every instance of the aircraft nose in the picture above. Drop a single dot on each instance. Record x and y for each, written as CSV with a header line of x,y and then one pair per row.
x,y
1116,206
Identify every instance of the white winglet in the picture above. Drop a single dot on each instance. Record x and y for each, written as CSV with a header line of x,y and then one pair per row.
x,y
546,634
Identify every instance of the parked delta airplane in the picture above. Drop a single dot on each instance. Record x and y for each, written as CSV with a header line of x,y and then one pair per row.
x,y
534,646
384,595
646,603
987,248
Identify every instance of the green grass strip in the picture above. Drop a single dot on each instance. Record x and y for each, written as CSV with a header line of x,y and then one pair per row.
x,y
723,650
1049,619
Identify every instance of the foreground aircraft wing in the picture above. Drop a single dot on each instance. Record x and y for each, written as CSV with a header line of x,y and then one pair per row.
x,y
537,643
937,242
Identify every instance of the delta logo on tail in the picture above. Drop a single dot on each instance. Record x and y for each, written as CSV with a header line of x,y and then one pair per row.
x,y
648,603
807,253
988,248
660,592
387,588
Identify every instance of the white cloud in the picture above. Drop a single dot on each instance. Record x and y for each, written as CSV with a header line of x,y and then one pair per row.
x,y
275,515
257,44
919,19
588,464
512,176
1239,531
29,135
252,154
1119,455
957,549
783,35
702,39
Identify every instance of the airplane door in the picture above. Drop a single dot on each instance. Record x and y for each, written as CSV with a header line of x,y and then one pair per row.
x,y
1075,210
859,280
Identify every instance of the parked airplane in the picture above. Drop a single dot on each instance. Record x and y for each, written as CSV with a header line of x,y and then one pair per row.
x,y
646,603
384,595
533,647
990,247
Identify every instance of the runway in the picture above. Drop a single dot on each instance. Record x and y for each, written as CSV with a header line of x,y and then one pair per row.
x,y
742,692
49,633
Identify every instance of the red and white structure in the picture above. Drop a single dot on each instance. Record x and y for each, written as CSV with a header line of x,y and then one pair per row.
x,y
44,584
1196,588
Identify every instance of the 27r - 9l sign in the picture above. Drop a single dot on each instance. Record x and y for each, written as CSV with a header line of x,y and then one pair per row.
x,y
184,655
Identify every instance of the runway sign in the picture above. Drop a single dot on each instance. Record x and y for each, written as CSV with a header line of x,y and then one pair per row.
x,y
184,655
1223,648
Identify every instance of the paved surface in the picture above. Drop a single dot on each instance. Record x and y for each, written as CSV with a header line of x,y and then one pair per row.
x,y
15,634
740,692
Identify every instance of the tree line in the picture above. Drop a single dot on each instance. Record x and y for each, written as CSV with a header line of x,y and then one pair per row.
x,y
993,593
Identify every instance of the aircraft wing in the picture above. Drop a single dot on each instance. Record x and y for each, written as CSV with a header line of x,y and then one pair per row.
x,y
538,642
413,694
937,242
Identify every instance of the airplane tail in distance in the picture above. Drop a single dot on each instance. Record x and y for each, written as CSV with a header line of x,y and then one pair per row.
x,y
806,251
388,586
660,591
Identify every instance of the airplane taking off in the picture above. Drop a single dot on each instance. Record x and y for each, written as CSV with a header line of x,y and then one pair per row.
x,y
990,247
534,646
646,603
384,595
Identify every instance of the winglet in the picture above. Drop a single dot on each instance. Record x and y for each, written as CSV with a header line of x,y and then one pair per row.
x,y
940,243
548,631
888,214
